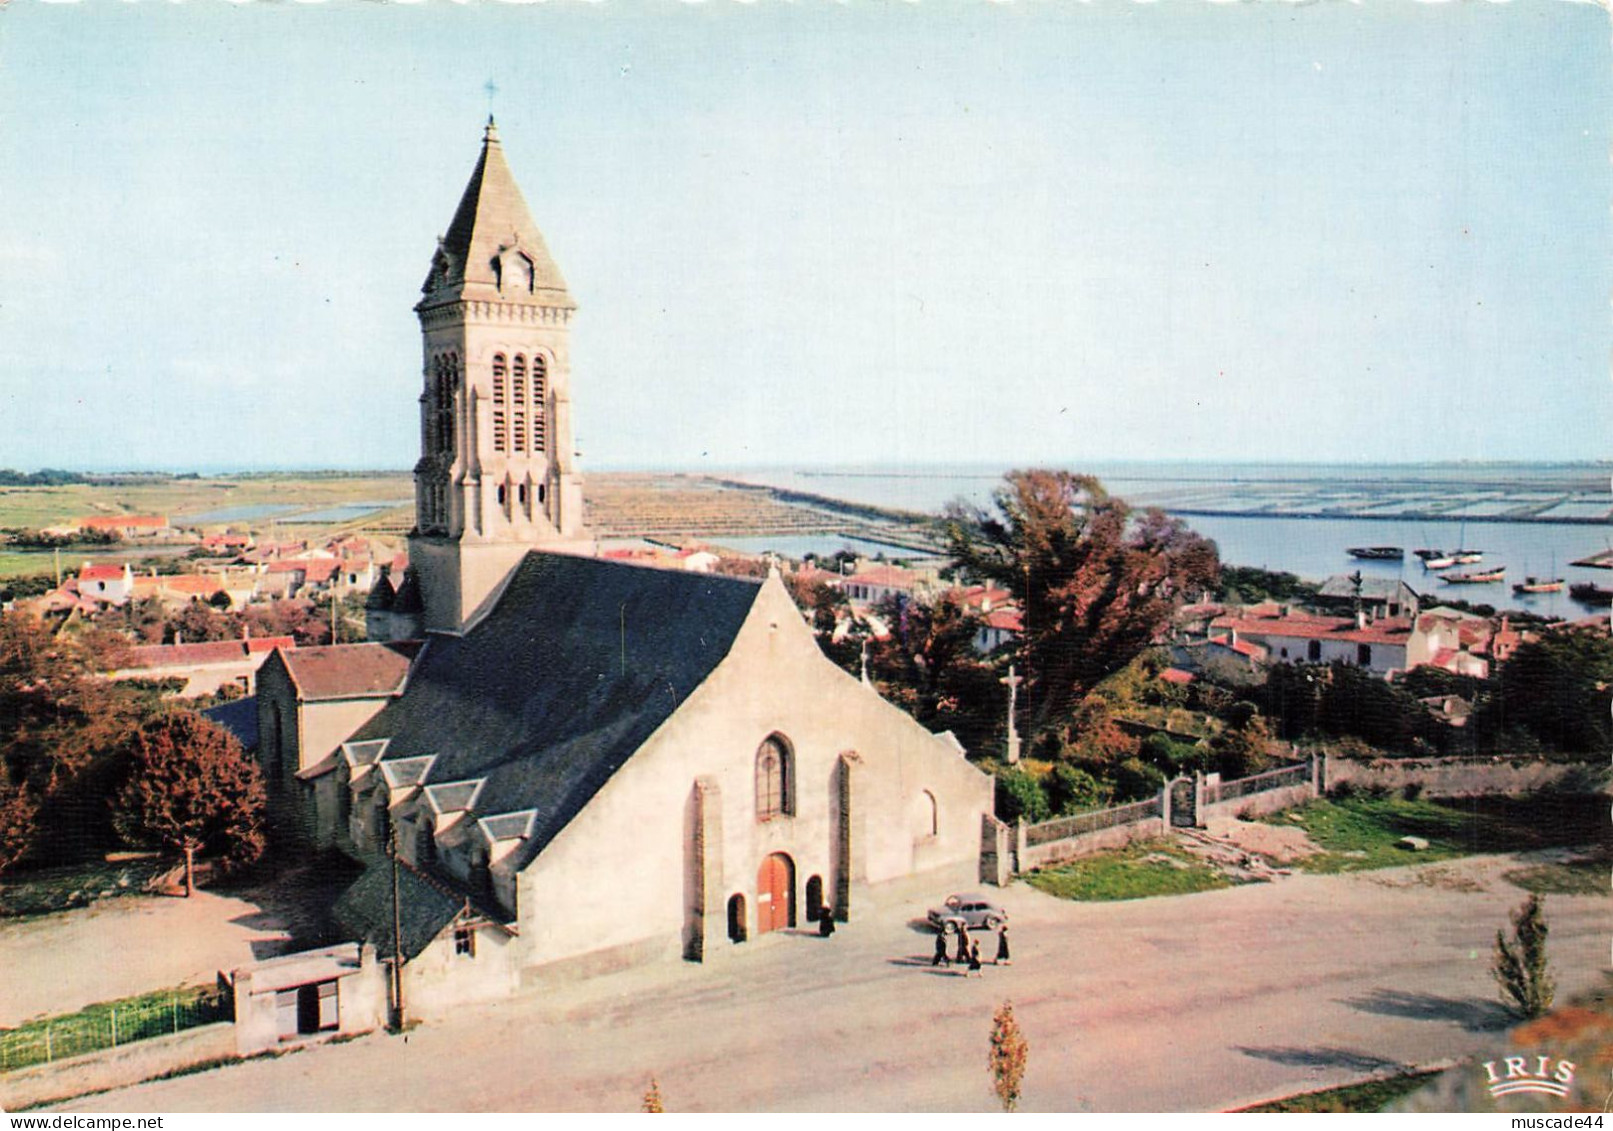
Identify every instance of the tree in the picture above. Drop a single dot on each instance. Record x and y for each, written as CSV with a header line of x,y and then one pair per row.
x,y
1520,967
1556,687
192,788
18,811
1096,581
1009,1053
60,728
652,1098
929,667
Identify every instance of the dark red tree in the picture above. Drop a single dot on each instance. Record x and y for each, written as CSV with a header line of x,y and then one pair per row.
x,y
191,789
1097,581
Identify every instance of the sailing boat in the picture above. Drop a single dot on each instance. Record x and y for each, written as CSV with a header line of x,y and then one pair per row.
x,y
1464,556
1533,584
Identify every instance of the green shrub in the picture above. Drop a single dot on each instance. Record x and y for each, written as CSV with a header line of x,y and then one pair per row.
x,y
1136,780
1020,796
1070,789
1520,966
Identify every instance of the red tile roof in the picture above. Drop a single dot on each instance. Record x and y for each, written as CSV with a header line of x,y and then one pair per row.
x,y
191,583
885,577
1008,619
123,522
207,652
1303,626
339,671
1176,675
101,573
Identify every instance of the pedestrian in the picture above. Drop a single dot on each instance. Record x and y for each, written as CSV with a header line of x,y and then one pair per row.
x,y
963,943
941,958
974,960
826,923
1002,958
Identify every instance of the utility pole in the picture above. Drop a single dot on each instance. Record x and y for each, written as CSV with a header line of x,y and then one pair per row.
x,y
397,930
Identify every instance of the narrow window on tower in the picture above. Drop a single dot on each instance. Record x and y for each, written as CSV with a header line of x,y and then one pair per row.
x,y
445,403
540,393
501,435
518,399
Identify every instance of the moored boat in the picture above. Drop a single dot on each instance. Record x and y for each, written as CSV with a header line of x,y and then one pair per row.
x,y
1438,561
1476,577
1589,593
1539,585
1467,557
1377,553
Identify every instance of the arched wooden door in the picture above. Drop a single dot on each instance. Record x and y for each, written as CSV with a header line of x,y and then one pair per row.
x,y
775,894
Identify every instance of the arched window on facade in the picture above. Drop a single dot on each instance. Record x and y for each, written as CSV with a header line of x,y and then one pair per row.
x,y
501,432
774,795
518,400
929,815
540,401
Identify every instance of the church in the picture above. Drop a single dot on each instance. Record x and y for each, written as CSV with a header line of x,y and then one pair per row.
x,y
582,764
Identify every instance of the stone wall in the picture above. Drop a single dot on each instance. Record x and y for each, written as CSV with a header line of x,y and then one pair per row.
x,y
1468,777
1058,851
115,1067
1259,804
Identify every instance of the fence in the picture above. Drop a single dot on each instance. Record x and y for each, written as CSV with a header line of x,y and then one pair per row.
x,y
1259,783
1064,838
1063,828
109,1026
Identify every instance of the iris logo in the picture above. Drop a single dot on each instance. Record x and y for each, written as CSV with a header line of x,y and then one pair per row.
x,y
1519,1075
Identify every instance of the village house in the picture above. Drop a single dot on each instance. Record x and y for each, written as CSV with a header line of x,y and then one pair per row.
x,y
106,583
130,526
875,583
205,667
588,762
1378,597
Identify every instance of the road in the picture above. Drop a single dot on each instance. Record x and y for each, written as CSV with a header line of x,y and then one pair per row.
x,y
1189,1003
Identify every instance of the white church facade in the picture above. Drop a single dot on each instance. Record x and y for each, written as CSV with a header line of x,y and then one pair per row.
x,y
587,763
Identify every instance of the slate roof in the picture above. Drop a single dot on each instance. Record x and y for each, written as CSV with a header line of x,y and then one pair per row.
x,y
364,910
576,666
240,718
1340,586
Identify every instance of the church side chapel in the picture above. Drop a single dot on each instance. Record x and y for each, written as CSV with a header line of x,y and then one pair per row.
x,y
587,763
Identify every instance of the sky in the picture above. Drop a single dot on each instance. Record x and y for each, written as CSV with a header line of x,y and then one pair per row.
x,y
819,233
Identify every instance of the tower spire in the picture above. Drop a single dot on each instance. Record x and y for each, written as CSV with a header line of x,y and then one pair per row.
x,y
496,476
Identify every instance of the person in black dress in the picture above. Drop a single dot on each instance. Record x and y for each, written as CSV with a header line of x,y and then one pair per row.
x,y
940,958
963,944
1002,958
974,960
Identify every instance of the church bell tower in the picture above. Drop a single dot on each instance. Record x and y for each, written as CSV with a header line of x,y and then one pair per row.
x,y
496,475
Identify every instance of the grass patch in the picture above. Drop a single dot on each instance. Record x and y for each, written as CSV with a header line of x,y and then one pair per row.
x,y
45,891
109,1024
1578,877
1360,833
1373,1095
1140,870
